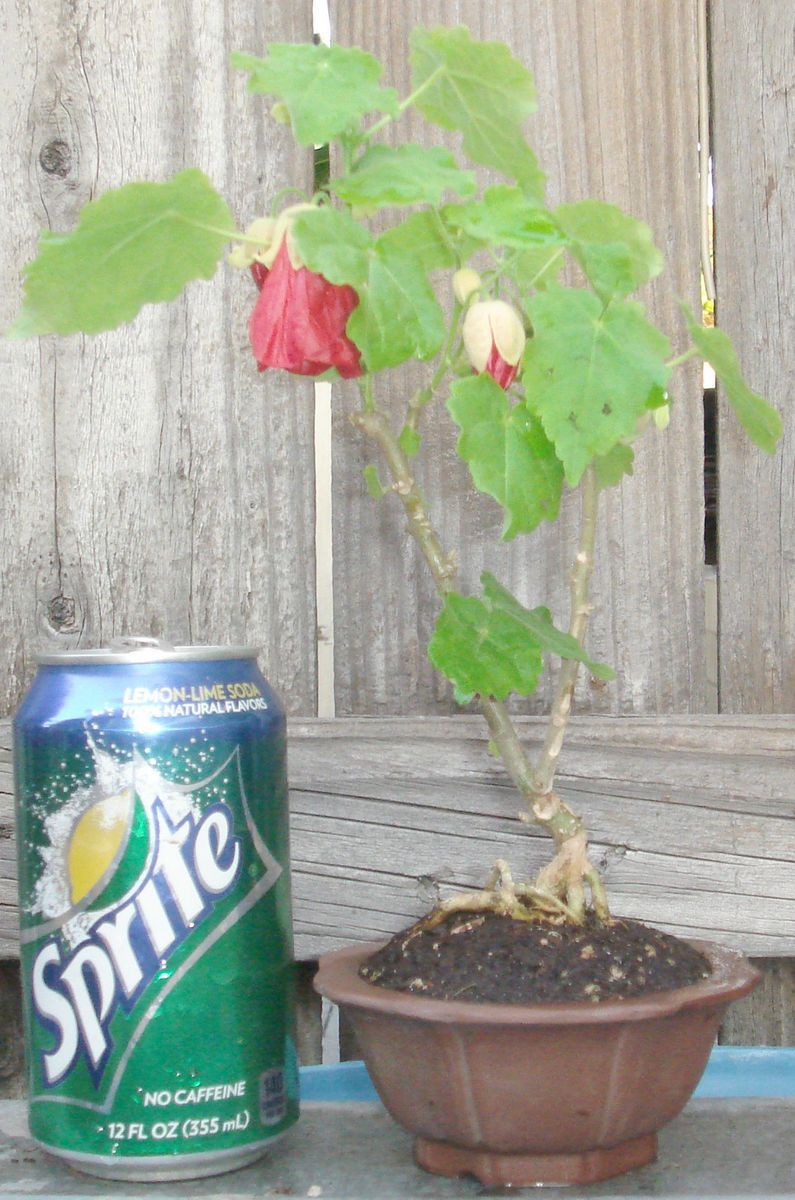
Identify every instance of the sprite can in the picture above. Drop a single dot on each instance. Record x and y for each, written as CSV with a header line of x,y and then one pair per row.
x,y
155,910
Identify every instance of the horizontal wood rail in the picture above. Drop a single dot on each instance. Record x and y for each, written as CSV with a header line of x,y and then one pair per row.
x,y
693,819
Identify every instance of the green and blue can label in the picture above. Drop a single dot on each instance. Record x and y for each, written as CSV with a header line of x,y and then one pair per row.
x,y
155,910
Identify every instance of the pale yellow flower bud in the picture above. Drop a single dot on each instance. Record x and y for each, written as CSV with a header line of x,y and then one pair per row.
x,y
465,282
662,416
494,339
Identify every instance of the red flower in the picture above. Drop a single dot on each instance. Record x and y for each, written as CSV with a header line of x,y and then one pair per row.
x,y
502,372
298,323
494,339
259,273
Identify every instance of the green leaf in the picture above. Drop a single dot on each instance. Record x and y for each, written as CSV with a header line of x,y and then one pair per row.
x,y
327,89
480,89
406,174
538,623
372,482
398,316
509,455
494,646
136,245
333,244
420,236
410,441
482,650
590,371
616,251
759,419
613,466
536,269
505,216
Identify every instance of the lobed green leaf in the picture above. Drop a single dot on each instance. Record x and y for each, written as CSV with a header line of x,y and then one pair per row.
x,y
138,244
333,244
508,453
398,316
613,466
327,89
535,269
408,174
494,646
538,623
759,419
420,235
590,371
483,650
506,217
480,89
616,251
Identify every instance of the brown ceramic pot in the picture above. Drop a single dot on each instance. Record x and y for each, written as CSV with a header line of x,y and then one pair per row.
x,y
520,1094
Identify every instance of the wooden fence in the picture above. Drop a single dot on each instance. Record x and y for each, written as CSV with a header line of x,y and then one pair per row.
x,y
153,483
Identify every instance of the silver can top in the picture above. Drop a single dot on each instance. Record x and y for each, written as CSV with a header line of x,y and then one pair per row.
x,y
143,650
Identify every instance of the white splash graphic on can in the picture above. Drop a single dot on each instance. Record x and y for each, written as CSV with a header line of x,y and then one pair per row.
x,y
88,835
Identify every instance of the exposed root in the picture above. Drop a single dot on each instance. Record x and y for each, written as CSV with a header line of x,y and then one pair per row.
x,y
568,873
557,894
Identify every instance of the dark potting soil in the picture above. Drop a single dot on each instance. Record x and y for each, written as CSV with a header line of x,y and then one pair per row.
x,y
494,958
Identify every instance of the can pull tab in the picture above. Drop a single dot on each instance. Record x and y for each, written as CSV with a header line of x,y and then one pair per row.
x,y
130,644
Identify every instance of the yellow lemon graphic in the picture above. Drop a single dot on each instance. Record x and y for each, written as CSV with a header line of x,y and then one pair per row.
x,y
97,841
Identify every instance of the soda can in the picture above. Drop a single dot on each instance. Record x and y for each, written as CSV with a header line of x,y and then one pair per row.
x,y
154,904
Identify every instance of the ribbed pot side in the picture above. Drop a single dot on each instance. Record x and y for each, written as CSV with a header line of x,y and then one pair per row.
x,y
546,1093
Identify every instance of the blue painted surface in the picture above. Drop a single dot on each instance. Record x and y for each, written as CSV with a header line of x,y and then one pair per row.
x,y
731,1071
748,1071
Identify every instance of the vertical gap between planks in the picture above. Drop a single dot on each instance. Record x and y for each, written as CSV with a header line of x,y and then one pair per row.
x,y
706,203
329,1033
324,558
324,575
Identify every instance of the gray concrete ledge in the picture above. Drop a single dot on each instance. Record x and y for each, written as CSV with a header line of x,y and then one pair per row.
x,y
716,1148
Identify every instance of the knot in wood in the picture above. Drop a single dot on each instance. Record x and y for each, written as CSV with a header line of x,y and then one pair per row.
x,y
61,612
56,158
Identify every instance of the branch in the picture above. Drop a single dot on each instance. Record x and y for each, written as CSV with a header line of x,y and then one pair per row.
x,y
564,877
548,810
580,611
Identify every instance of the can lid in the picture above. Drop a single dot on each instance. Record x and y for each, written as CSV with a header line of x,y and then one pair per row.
x,y
143,650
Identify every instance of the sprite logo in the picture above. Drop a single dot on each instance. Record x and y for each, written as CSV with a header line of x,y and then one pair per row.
x,y
135,865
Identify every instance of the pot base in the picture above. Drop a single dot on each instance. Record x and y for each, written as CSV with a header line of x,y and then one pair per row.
x,y
493,1169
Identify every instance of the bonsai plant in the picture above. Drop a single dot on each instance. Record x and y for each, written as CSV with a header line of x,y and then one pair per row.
x,y
400,255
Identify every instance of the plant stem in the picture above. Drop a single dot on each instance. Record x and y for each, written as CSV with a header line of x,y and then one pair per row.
x,y
403,105
580,611
571,865
682,358
442,565
424,395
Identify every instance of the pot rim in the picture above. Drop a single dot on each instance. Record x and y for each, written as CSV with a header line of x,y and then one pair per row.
x,y
338,979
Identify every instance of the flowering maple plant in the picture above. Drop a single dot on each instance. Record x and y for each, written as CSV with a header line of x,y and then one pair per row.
x,y
547,383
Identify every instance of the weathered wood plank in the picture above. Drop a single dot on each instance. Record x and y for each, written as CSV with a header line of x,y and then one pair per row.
x,y
133,473
618,119
767,1016
753,76
691,818
12,1081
